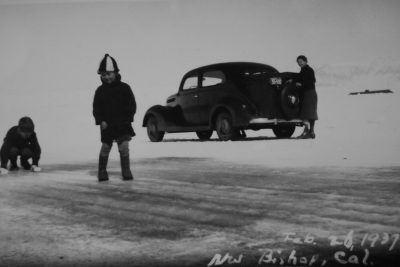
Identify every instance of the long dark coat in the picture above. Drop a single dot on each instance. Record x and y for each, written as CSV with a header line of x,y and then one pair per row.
x,y
308,94
115,104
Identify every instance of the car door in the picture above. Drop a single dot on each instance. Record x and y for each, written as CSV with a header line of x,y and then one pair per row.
x,y
211,90
188,99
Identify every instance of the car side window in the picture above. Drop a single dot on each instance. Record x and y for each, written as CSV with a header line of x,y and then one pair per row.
x,y
211,78
190,83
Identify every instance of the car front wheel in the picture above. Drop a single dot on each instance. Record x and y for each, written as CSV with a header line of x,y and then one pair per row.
x,y
284,131
204,135
224,127
154,134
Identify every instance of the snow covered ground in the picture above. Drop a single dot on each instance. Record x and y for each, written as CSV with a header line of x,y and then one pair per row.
x,y
193,211
191,200
353,130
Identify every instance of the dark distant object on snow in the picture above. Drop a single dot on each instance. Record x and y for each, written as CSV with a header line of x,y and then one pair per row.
x,y
385,91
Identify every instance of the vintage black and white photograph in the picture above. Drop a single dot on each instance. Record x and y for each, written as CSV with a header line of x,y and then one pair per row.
x,y
199,133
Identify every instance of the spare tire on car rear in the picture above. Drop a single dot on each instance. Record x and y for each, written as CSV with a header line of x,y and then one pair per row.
x,y
290,100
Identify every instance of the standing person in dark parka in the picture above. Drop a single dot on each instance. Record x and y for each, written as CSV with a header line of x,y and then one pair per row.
x,y
114,107
306,84
21,140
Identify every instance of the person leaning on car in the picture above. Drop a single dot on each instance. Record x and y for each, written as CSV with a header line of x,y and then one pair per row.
x,y
306,84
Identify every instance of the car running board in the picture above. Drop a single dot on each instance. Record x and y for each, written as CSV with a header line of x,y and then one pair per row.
x,y
176,129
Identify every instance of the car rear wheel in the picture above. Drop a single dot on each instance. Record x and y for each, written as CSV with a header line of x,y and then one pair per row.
x,y
204,135
154,134
224,127
284,131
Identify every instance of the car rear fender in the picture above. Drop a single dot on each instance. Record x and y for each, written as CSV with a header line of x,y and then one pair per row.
x,y
237,109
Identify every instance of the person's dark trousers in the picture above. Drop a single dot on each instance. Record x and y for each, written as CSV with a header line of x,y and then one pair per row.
x,y
123,148
13,154
26,154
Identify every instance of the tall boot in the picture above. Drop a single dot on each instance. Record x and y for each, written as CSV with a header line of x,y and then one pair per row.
x,y
126,168
304,134
102,173
312,133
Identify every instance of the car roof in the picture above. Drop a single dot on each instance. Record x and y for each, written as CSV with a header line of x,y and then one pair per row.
x,y
232,66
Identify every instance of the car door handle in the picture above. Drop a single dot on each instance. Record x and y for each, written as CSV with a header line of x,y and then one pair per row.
x,y
196,96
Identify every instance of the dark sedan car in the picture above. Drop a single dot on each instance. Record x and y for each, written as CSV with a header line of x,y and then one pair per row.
x,y
228,98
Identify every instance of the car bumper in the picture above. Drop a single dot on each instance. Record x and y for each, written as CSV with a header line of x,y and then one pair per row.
x,y
270,122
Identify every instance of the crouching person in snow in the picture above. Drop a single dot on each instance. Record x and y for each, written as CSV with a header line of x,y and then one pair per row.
x,y
114,107
21,140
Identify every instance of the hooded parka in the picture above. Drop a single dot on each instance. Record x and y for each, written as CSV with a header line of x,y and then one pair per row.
x,y
115,104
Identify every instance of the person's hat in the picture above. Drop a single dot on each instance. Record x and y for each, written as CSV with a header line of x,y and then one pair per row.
x,y
26,125
108,64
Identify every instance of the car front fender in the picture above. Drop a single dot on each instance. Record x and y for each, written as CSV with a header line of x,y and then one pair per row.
x,y
164,116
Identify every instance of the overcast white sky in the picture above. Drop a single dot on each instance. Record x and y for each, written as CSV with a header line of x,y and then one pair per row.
x,y
169,37
50,51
